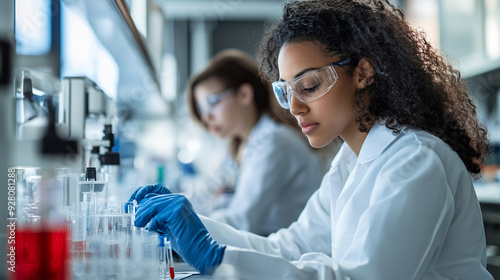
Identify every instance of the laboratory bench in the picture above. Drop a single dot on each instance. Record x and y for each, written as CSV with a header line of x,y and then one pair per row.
x,y
488,195
488,192
182,268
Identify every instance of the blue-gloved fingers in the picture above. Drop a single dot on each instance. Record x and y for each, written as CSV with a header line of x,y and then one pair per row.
x,y
153,226
144,215
132,197
136,195
149,208
146,192
174,215
156,188
142,192
150,195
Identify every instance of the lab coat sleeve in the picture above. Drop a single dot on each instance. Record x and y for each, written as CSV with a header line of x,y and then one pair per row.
x,y
260,182
263,266
226,234
398,233
310,233
298,252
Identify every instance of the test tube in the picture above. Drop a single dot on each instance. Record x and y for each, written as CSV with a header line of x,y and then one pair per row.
x,y
90,202
131,210
170,260
162,254
90,211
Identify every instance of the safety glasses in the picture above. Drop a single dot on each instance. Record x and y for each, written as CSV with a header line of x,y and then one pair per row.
x,y
308,87
212,101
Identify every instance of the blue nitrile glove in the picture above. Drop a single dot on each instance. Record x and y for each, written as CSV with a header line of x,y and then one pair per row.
x,y
173,215
146,192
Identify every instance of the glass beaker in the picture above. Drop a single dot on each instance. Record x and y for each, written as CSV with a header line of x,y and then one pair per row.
x,y
42,237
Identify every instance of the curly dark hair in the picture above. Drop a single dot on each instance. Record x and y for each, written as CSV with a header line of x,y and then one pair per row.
x,y
413,86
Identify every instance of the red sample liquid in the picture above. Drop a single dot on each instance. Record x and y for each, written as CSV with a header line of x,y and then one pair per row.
x,y
172,274
41,254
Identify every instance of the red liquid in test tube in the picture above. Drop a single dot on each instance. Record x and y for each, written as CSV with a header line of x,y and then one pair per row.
x,y
172,274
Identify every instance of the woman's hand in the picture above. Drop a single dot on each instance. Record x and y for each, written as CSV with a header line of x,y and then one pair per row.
x,y
146,192
173,215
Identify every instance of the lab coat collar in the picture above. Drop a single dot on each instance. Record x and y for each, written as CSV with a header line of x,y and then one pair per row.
x,y
263,123
379,138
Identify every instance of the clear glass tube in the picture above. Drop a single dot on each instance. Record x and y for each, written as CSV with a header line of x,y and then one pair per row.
x,y
131,210
162,257
90,211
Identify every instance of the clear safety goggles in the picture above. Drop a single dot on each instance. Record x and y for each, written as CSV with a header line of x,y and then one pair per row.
x,y
211,102
308,87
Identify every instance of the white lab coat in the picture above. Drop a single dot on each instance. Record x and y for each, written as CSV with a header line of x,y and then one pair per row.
x,y
278,174
404,209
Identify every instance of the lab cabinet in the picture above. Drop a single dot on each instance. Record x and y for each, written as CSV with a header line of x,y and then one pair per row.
x,y
100,41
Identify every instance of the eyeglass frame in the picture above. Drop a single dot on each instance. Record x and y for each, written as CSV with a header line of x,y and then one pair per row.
x,y
213,100
293,81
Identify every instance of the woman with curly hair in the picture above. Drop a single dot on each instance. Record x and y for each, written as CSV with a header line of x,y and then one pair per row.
x,y
398,201
277,170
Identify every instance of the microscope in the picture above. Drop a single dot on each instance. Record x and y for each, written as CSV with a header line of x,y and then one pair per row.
x,y
82,116
85,110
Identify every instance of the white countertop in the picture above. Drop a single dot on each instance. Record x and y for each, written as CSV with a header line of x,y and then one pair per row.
x,y
488,192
